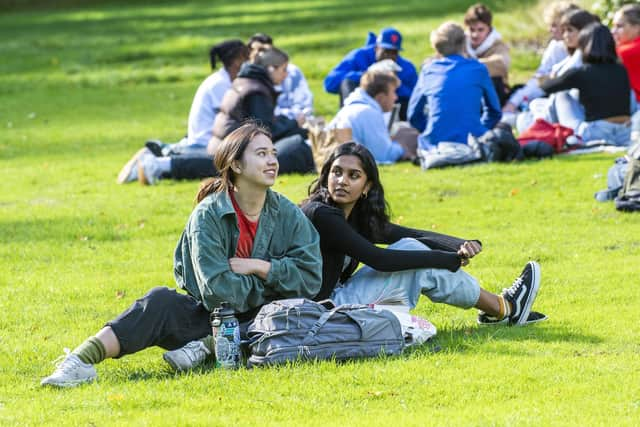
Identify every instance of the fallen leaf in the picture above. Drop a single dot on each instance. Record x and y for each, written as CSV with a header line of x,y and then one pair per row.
x,y
115,397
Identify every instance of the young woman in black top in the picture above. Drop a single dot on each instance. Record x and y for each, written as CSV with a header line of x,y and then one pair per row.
x,y
602,111
347,206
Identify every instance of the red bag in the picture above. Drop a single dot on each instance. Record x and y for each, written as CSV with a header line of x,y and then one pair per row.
x,y
553,134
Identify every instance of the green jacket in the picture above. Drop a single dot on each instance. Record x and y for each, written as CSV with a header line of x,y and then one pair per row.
x,y
285,237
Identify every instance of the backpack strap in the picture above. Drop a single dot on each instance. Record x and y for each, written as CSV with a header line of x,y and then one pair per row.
x,y
318,325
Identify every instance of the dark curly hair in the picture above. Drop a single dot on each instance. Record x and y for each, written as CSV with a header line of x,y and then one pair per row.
x,y
370,214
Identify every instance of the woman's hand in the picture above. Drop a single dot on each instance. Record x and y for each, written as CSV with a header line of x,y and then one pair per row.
x,y
509,108
468,250
250,266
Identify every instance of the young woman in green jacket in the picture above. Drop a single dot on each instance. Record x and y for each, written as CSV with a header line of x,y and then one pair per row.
x,y
243,243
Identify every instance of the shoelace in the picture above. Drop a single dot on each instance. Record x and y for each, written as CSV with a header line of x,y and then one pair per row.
x,y
64,363
197,350
514,287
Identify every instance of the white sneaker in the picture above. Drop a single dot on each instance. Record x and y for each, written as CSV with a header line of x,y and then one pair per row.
x,y
149,170
70,372
188,357
129,172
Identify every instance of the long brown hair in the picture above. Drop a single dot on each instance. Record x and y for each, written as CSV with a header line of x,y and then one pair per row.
x,y
230,149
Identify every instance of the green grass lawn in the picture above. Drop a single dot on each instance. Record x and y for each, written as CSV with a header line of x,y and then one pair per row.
x,y
82,88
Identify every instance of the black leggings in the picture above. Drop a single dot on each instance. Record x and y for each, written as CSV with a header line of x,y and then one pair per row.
x,y
163,318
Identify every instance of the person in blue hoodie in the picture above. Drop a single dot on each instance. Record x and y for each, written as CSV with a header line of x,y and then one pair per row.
x,y
345,77
454,97
363,113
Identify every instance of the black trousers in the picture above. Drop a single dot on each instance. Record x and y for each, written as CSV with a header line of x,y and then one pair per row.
x,y
294,156
164,318
501,89
192,165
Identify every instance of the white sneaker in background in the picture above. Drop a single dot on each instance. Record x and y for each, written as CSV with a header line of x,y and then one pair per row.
x,y
129,172
149,169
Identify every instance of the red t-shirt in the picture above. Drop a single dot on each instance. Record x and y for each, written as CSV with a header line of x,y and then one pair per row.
x,y
629,54
247,231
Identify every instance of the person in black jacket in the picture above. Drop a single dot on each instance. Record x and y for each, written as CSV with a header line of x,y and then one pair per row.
x,y
346,204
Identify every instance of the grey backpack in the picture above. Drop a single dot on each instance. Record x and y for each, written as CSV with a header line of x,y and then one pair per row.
x,y
300,329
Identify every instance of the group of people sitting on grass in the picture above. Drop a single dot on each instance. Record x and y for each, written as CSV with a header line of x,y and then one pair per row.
x,y
588,82
247,245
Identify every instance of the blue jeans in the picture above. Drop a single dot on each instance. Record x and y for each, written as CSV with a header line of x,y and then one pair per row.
x,y
571,114
368,286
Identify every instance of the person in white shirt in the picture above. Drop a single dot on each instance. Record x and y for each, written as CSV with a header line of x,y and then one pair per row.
x,y
555,52
208,98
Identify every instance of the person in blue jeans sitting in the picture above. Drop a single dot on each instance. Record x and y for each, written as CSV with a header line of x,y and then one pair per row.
x,y
347,206
345,76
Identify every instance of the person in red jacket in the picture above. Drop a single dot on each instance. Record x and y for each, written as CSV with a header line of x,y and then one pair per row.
x,y
626,33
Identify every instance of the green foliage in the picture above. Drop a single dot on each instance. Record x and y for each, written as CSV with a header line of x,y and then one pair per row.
x,y
607,8
82,88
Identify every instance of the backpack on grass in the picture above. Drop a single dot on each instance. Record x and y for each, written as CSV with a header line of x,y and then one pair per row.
x,y
629,196
325,140
300,329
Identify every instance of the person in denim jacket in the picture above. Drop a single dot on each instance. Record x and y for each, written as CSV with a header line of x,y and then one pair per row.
x,y
243,244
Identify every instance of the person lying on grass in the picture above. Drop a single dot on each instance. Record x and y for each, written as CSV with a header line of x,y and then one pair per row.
x,y
347,206
243,243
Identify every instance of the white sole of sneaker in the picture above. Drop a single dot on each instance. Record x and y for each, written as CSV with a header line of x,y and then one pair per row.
x,y
69,384
505,322
125,172
535,285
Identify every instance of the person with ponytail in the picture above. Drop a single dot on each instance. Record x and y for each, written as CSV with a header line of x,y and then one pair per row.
x,y
347,206
243,244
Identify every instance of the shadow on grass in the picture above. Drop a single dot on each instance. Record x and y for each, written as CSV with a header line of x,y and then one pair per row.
x,y
103,34
168,373
457,340
461,339
64,230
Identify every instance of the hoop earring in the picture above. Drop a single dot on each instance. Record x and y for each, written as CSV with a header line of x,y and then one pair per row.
x,y
364,195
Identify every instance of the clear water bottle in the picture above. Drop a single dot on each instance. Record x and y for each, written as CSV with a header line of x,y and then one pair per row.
x,y
226,335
